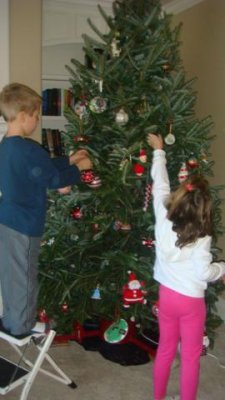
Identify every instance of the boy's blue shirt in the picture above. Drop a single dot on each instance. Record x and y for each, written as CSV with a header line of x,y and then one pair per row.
x,y
26,172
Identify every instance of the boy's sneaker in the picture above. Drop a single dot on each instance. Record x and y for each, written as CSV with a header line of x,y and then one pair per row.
x,y
3,329
41,327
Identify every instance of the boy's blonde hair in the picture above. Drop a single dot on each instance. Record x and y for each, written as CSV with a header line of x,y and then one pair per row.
x,y
17,97
190,210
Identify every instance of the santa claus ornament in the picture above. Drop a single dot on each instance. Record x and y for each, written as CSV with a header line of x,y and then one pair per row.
x,y
139,169
143,156
133,291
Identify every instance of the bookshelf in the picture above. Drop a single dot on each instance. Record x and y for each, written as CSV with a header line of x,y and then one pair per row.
x,y
55,94
54,97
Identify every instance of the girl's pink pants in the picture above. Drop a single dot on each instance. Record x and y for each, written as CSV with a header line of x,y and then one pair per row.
x,y
181,319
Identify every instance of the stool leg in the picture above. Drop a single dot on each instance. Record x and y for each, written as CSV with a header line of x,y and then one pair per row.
x,y
65,379
37,364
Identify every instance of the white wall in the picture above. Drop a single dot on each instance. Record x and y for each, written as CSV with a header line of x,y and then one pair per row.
x,y
54,58
4,52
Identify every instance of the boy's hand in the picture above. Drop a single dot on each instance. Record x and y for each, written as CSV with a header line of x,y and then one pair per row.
x,y
77,156
81,159
155,141
223,279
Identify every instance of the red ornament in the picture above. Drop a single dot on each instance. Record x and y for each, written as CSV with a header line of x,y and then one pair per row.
x,y
43,316
143,156
87,176
138,169
148,243
76,213
155,309
192,163
64,308
133,291
95,227
117,225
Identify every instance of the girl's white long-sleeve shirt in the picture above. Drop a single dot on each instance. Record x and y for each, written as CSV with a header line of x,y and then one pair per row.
x,y
188,269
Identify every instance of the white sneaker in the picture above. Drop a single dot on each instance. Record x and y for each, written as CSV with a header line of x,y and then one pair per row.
x,y
172,397
40,327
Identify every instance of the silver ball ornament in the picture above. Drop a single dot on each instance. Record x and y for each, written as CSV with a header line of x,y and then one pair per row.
x,y
122,117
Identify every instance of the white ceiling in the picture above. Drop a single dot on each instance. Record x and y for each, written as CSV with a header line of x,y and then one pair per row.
x,y
170,6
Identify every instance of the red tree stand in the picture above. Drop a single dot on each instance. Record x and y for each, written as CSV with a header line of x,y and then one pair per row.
x,y
79,333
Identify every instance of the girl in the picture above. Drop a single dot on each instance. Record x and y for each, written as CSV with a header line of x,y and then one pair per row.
x,y
183,266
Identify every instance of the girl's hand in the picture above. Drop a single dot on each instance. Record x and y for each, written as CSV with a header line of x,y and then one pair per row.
x,y
155,141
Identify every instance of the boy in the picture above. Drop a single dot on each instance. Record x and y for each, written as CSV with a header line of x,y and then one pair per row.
x,y
26,172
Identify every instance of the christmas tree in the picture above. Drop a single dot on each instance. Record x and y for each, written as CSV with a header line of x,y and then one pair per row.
x,y
101,235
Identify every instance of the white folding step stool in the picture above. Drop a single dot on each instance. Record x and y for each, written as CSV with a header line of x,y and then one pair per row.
x,y
13,375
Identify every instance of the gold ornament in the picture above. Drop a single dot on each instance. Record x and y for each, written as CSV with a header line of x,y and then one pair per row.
x,y
166,67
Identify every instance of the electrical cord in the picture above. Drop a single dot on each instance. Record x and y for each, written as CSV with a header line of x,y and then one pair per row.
x,y
148,338
217,359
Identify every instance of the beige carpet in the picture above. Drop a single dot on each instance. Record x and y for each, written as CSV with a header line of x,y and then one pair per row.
x,y
100,379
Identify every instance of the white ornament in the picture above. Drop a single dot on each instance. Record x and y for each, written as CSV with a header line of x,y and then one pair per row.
x,y
95,183
170,139
115,51
122,117
183,173
206,341
80,109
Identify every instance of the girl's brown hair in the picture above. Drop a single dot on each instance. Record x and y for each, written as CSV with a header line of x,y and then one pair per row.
x,y
190,210
17,97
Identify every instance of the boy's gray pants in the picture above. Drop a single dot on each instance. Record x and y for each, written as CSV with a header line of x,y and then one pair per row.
x,y
19,279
